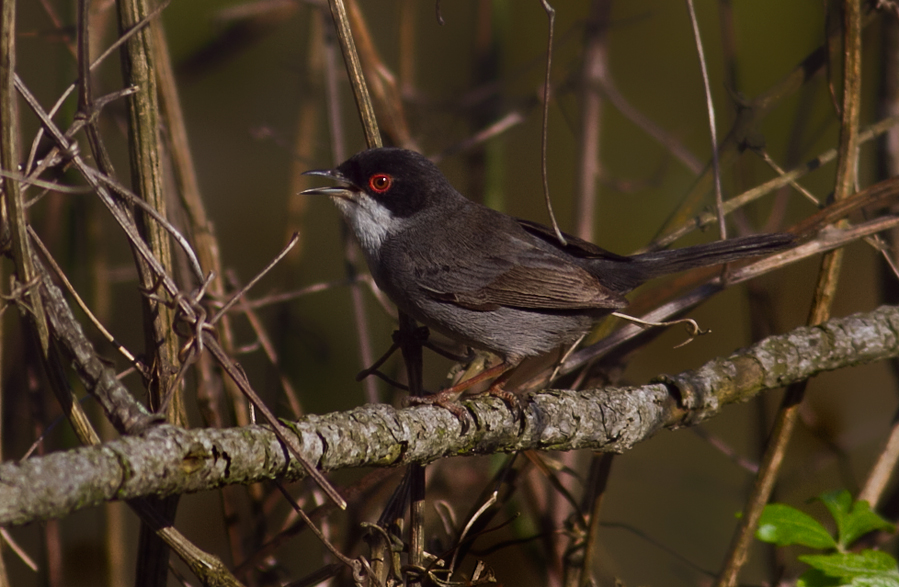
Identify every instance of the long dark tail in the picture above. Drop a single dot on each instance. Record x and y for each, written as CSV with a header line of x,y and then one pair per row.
x,y
674,260
624,274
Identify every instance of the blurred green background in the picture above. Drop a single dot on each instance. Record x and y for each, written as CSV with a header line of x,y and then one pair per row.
x,y
672,500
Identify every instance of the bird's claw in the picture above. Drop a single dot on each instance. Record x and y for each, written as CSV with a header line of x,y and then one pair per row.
x,y
447,399
510,399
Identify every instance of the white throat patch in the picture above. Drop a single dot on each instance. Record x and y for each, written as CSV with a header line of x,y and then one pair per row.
x,y
371,222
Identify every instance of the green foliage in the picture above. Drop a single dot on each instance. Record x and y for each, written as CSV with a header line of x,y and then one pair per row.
x,y
853,519
847,566
784,526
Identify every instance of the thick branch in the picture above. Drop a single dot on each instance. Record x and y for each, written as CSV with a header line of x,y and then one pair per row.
x,y
167,460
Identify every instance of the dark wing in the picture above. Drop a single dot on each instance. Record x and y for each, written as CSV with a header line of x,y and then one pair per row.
x,y
527,276
576,247
536,288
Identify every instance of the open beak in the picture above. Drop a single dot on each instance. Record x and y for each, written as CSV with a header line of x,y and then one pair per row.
x,y
347,190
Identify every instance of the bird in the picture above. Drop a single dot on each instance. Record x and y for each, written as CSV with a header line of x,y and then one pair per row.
x,y
486,279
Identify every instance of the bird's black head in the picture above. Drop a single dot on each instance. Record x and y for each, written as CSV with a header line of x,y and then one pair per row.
x,y
404,182
382,190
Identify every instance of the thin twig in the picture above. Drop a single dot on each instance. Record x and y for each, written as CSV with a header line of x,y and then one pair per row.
x,y
474,518
600,469
593,70
795,184
353,564
20,552
882,470
265,342
84,308
279,429
749,118
242,292
710,109
873,131
544,136
351,251
122,39
275,299
152,212
26,181
354,70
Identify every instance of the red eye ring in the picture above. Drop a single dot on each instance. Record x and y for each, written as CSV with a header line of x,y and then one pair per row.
x,y
380,182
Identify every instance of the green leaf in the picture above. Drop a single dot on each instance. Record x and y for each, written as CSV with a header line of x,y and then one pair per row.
x,y
854,520
861,521
815,578
784,525
839,504
848,565
880,580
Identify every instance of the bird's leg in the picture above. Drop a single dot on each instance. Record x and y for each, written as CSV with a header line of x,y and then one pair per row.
x,y
451,394
496,389
448,398
495,371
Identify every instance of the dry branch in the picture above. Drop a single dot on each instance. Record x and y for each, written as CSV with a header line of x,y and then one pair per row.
x,y
168,460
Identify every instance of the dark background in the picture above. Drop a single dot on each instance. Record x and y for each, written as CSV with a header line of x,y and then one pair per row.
x,y
672,499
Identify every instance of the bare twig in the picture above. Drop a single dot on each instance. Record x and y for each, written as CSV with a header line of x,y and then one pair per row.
x,y
122,39
593,70
870,133
96,322
882,470
354,70
240,293
351,251
710,108
600,469
748,117
544,137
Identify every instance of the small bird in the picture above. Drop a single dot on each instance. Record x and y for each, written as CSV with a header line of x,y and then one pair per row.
x,y
484,278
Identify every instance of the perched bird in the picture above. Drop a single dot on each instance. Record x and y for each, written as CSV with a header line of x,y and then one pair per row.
x,y
484,278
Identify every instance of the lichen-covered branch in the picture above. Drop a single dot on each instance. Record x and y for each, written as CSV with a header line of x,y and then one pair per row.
x,y
168,460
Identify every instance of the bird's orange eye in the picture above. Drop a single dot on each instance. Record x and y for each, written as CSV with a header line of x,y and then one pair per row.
x,y
380,182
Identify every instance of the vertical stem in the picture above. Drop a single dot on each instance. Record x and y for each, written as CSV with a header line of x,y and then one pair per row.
x,y
9,137
763,486
8,157
825,291
544,136
31,305
138,70
210,383
888,163
354,70
600,469
593,72
408,49
411,348
4,579
710,107
351,251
